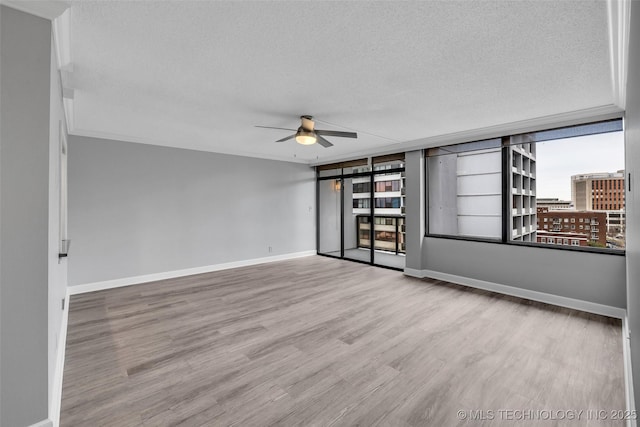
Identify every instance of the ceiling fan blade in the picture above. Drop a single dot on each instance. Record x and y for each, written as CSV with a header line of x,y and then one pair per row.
x,y
323,142
337,133
287,138
271,127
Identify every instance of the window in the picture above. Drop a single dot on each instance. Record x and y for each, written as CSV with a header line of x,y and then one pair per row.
x,y
575,242
592,156
361,203
471,195
384,186
362,187
465,190
388,202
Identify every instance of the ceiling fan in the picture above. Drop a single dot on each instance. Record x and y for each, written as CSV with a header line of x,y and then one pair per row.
x,y
308,135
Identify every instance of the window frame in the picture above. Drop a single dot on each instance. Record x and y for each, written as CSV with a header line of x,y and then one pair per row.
x,y
507,192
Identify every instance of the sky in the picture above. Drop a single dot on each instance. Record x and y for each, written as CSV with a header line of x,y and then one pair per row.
x,y
558,159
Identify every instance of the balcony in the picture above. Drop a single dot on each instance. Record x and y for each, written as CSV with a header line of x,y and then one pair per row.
x,y
388,232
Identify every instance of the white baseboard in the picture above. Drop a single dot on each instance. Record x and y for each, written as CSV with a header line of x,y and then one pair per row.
x,y
414,273
43,423
589,307
127,281
56,399
628,374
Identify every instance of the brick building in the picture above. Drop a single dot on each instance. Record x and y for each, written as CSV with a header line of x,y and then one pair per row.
x,y
598,191
574,228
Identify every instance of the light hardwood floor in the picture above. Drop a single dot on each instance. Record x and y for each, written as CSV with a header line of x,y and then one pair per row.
x,y
324,342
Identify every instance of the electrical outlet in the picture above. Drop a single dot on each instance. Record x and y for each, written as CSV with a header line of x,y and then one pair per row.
x,y
270,249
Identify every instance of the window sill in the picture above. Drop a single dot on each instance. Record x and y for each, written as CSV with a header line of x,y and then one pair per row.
x,y
616,252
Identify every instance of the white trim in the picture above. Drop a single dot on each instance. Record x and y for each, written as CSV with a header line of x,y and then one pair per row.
x,y
61,27
49,9
56,398
576,304
127,281
628,374
603,112
414,273
618,22
68,105
43,423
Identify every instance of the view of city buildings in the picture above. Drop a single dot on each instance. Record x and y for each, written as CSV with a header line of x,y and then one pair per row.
x,y
523,191
571,227
465,199
388,205
554,204
595,216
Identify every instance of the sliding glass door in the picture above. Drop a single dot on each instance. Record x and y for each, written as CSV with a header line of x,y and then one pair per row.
x,y
361,211
388,211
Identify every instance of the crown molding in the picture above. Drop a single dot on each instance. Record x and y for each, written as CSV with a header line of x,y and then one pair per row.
x,y
195,147
49,9
604,112
619,19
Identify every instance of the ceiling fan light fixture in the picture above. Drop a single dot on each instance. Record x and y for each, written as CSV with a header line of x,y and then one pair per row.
x,y
306,137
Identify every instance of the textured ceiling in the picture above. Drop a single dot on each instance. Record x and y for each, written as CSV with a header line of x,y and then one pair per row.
x,y
201,74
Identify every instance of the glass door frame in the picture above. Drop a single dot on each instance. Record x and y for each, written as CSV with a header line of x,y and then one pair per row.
x,y
342,177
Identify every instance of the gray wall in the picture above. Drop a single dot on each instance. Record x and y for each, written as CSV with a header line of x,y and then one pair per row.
x,y
139,209
25,50
632,154
414,208
598,278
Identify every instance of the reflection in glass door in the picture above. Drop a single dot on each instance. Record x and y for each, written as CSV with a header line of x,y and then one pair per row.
x,y
330,216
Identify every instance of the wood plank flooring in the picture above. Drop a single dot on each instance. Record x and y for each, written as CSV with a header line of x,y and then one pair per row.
x,y
323,342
